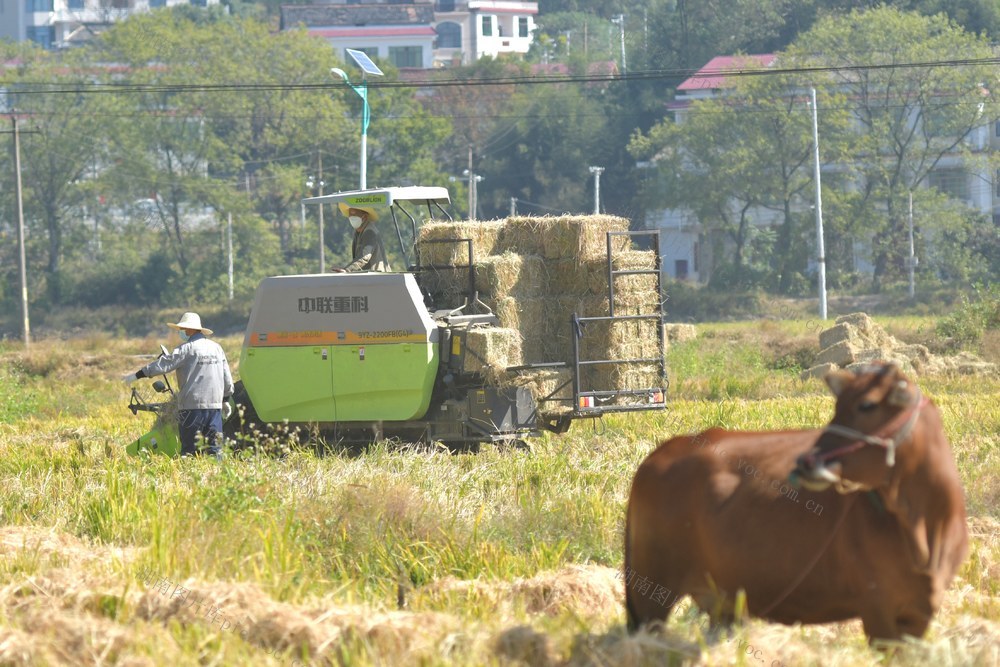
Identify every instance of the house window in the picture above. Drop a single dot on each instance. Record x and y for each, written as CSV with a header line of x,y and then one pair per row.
x,y
406,56
74,4
444,6
996,128
952,182
996,184
681,269
449,35
153,4
487,26
199,3
39,6
522,26
42,35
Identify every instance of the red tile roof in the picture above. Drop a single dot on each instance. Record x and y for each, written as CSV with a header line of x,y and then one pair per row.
x,y
713,74
406,31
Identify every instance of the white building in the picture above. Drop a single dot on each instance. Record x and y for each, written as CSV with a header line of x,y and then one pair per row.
x,y
421,35
62,23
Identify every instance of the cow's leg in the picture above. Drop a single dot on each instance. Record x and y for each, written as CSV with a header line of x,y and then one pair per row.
x,y
647,605
912,622
880,625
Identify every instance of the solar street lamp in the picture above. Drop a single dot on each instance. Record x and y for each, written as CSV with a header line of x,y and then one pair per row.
x,y
367,68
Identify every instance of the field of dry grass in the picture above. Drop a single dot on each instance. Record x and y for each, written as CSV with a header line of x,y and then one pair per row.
x,y
402,555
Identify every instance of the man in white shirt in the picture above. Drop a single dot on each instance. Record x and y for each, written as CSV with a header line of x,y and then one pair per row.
x,y
205,381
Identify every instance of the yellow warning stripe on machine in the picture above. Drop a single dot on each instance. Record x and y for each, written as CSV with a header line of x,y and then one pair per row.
x,y
294,338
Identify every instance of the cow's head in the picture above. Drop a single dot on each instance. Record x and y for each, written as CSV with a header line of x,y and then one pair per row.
x,y
876,410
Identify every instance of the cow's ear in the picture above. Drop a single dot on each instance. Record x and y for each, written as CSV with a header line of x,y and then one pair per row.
x,y
837,380
900,395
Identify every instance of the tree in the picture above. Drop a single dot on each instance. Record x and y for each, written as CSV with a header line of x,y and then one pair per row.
x,y
558,132
913,114
59,158
743,162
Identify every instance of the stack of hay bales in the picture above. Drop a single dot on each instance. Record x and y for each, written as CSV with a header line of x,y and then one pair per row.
x,y
855,340
534,272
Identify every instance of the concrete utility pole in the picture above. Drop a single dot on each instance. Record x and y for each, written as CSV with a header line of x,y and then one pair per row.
x,y
911,261
22,268
322,245
596,171
229,248
513,206
820,251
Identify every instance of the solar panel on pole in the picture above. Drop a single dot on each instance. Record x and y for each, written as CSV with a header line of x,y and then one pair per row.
x,y
364,62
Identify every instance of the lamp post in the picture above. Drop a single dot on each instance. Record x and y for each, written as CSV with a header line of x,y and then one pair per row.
x,y
367,67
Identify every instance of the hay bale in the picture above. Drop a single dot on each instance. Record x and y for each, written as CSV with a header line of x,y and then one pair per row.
x,y
679,333
484,240
818,371
493,275
554,386
843,353
870,333
837,333
620,339
509,274
589,277
490,350
524,315
579,237
618,377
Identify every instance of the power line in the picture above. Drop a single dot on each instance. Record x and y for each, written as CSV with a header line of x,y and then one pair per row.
x,y
38,87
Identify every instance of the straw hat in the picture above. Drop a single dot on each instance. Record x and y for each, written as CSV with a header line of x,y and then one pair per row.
x,y
191,321
345,208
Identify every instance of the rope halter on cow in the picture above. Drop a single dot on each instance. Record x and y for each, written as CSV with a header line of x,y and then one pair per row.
x,y
891,436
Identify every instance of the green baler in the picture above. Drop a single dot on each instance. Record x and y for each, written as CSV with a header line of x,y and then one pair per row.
x,y
361,356
361,347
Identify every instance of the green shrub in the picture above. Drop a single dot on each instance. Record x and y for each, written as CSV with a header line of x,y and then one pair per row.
x,y
967,324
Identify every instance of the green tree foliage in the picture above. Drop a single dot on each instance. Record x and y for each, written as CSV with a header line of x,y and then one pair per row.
x,y
544,158
62,148
910,116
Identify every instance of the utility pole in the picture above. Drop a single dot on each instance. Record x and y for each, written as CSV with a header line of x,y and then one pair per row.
x,y
513,206
820,252
322,245
229,247
911,261
472,195
22,269
596,171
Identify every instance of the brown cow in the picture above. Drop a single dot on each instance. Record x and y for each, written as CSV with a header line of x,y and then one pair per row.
x,y
877,530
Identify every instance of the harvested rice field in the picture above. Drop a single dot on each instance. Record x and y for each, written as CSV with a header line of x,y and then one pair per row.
x,y
404,555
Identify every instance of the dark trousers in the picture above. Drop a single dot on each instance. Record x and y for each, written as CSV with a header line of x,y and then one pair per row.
x,y
208,423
